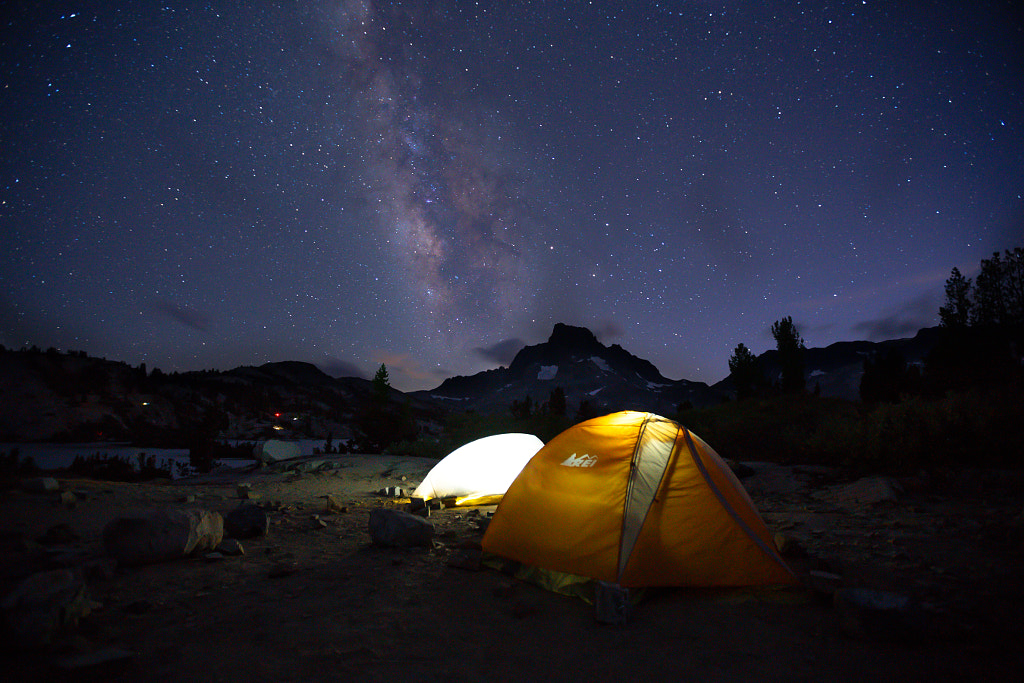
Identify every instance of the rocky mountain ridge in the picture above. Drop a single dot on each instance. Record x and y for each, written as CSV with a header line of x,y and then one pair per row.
x,y
53,396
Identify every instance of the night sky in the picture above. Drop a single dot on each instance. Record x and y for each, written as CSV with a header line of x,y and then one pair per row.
x,y
433,185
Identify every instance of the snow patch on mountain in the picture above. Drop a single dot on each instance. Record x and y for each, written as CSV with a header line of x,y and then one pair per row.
x,y
601,363
547,372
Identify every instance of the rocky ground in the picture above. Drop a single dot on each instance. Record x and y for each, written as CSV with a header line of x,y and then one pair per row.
x,y
314,599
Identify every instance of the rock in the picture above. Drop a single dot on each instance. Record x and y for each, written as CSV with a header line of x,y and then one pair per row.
x,y
230,547
824,583
138,607
43,605
40,485
245,492
868,491
247,521
162,535
399,529
68,499
739,469
868,614
280,570
333,505
466,559
103,657
58,534
99,569
788,546
273,451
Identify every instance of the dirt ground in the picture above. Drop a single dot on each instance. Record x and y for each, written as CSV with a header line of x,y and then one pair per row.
x,y
315,600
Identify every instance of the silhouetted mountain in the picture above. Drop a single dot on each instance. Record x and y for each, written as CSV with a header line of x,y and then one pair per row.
x,y
608,377
54,396
837,368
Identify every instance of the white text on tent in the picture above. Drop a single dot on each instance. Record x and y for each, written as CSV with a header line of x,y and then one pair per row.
x,y
581,461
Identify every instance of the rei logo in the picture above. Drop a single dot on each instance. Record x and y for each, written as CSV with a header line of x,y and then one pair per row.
x,y
580,461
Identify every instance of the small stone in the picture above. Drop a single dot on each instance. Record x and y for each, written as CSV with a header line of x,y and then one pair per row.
x,y
333,505
138,607
466,559
788,546
868,614
230,547
103,657
68,499
282,569
213,557
824,583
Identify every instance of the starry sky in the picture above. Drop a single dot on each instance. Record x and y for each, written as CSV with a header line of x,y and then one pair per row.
x,y
433,185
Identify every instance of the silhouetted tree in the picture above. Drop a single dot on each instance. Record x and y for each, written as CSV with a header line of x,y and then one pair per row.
x,y
791,355
556,401
522,409
586,411
1013,284
989,308
956,314
381,382
745,371
887,377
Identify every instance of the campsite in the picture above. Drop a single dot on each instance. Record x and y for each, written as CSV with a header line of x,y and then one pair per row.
x,y
314,598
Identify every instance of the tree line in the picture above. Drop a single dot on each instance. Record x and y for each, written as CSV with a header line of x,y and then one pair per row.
x,y
982,323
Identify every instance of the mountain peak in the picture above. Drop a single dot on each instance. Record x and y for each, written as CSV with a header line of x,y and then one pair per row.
x,y
574,337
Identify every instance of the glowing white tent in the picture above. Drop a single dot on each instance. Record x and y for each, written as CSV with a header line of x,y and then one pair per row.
x,y
480,472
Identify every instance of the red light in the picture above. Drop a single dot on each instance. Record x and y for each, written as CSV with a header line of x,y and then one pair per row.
x,y
277,414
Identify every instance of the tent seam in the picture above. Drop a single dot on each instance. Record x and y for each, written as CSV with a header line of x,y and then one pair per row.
x,y
633,467
629,489
728,508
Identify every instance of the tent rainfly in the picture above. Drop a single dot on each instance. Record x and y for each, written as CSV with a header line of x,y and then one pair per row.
x,y
636,500
479,472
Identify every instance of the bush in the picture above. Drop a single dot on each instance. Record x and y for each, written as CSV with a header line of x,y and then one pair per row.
x,y
971,429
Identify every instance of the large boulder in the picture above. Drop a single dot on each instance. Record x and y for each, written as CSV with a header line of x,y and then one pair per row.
x,y
247,521
275,451
162,535
43,605
399,529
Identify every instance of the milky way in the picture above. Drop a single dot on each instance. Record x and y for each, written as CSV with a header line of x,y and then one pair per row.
x,y
433,176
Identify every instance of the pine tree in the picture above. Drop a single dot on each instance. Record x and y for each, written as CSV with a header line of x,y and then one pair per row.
x,y
956,314
791,355
745,371
381,382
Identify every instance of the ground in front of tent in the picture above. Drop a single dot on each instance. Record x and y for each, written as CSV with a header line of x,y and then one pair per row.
x,y
318,602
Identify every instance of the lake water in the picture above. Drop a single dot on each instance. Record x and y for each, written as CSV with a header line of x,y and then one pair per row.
x,y
54,456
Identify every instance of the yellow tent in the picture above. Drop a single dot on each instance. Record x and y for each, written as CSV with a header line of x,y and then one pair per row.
x,y
637,500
